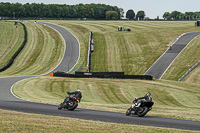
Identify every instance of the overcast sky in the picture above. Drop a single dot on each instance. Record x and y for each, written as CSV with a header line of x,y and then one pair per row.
x,y
152,8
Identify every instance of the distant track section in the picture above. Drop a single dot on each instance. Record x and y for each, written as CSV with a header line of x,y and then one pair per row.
x,y
158,69
72,49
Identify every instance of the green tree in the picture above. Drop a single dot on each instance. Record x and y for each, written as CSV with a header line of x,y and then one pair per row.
x,y
175,15
82,12
112,15
167,16
130,14
121,12
97,11
140,15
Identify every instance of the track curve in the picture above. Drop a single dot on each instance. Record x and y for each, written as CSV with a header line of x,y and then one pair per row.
x,y
158,69
10,102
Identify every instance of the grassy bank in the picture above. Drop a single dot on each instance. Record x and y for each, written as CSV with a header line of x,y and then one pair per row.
x,y
17,122
172,99
43,51
194,76
188,58
10,40
131,52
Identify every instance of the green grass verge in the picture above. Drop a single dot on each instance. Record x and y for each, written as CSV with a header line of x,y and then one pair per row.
x,y
172,99
43,51
194,76
10,40
17,122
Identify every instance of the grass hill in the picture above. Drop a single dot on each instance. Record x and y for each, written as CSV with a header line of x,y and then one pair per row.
x,y
10,40
42,53
133,52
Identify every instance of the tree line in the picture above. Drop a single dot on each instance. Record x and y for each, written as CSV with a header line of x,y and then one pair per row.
x,y
130,14
95,11
176,15
89,11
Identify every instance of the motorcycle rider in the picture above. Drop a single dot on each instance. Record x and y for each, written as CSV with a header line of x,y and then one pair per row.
x,y
147,98
77,93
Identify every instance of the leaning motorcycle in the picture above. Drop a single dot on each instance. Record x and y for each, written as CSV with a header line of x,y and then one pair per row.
x,y
140,108
69,103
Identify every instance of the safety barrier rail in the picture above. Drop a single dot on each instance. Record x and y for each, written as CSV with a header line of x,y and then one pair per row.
x,y
191,69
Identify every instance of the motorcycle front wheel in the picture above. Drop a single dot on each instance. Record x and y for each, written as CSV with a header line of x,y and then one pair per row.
x,y
59,107
128,112
62,105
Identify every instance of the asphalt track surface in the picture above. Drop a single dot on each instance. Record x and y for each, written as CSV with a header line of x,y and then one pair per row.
x,y
10,102
162,64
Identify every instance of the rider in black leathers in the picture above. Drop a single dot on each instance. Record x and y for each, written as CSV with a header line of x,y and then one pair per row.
x,y
147,98
77,93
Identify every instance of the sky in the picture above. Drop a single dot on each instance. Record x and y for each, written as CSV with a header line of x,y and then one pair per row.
x,y
152,8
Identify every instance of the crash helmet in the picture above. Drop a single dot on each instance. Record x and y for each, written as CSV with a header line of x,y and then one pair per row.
x,y
79,90
148,94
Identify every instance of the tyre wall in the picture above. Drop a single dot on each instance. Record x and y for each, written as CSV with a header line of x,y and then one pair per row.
x,y
112,75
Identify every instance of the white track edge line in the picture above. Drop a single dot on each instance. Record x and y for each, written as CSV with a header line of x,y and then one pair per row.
x,y
11,89
160,57
178,55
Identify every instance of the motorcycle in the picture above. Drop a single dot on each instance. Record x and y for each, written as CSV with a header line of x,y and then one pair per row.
x,y
140,108
69,103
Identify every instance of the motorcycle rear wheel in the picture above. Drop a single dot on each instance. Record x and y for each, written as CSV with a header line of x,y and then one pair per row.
x,y
73,106
143,112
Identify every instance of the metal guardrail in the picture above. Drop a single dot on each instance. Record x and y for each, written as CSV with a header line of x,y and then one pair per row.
x,y
191,69
77,70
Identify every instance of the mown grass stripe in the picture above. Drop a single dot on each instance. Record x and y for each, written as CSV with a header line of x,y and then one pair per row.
x,y
42,54
116,95
12,51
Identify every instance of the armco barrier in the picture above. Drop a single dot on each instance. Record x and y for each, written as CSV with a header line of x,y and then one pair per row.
x,y
89,54
190,70
99,73
112,75
18,51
